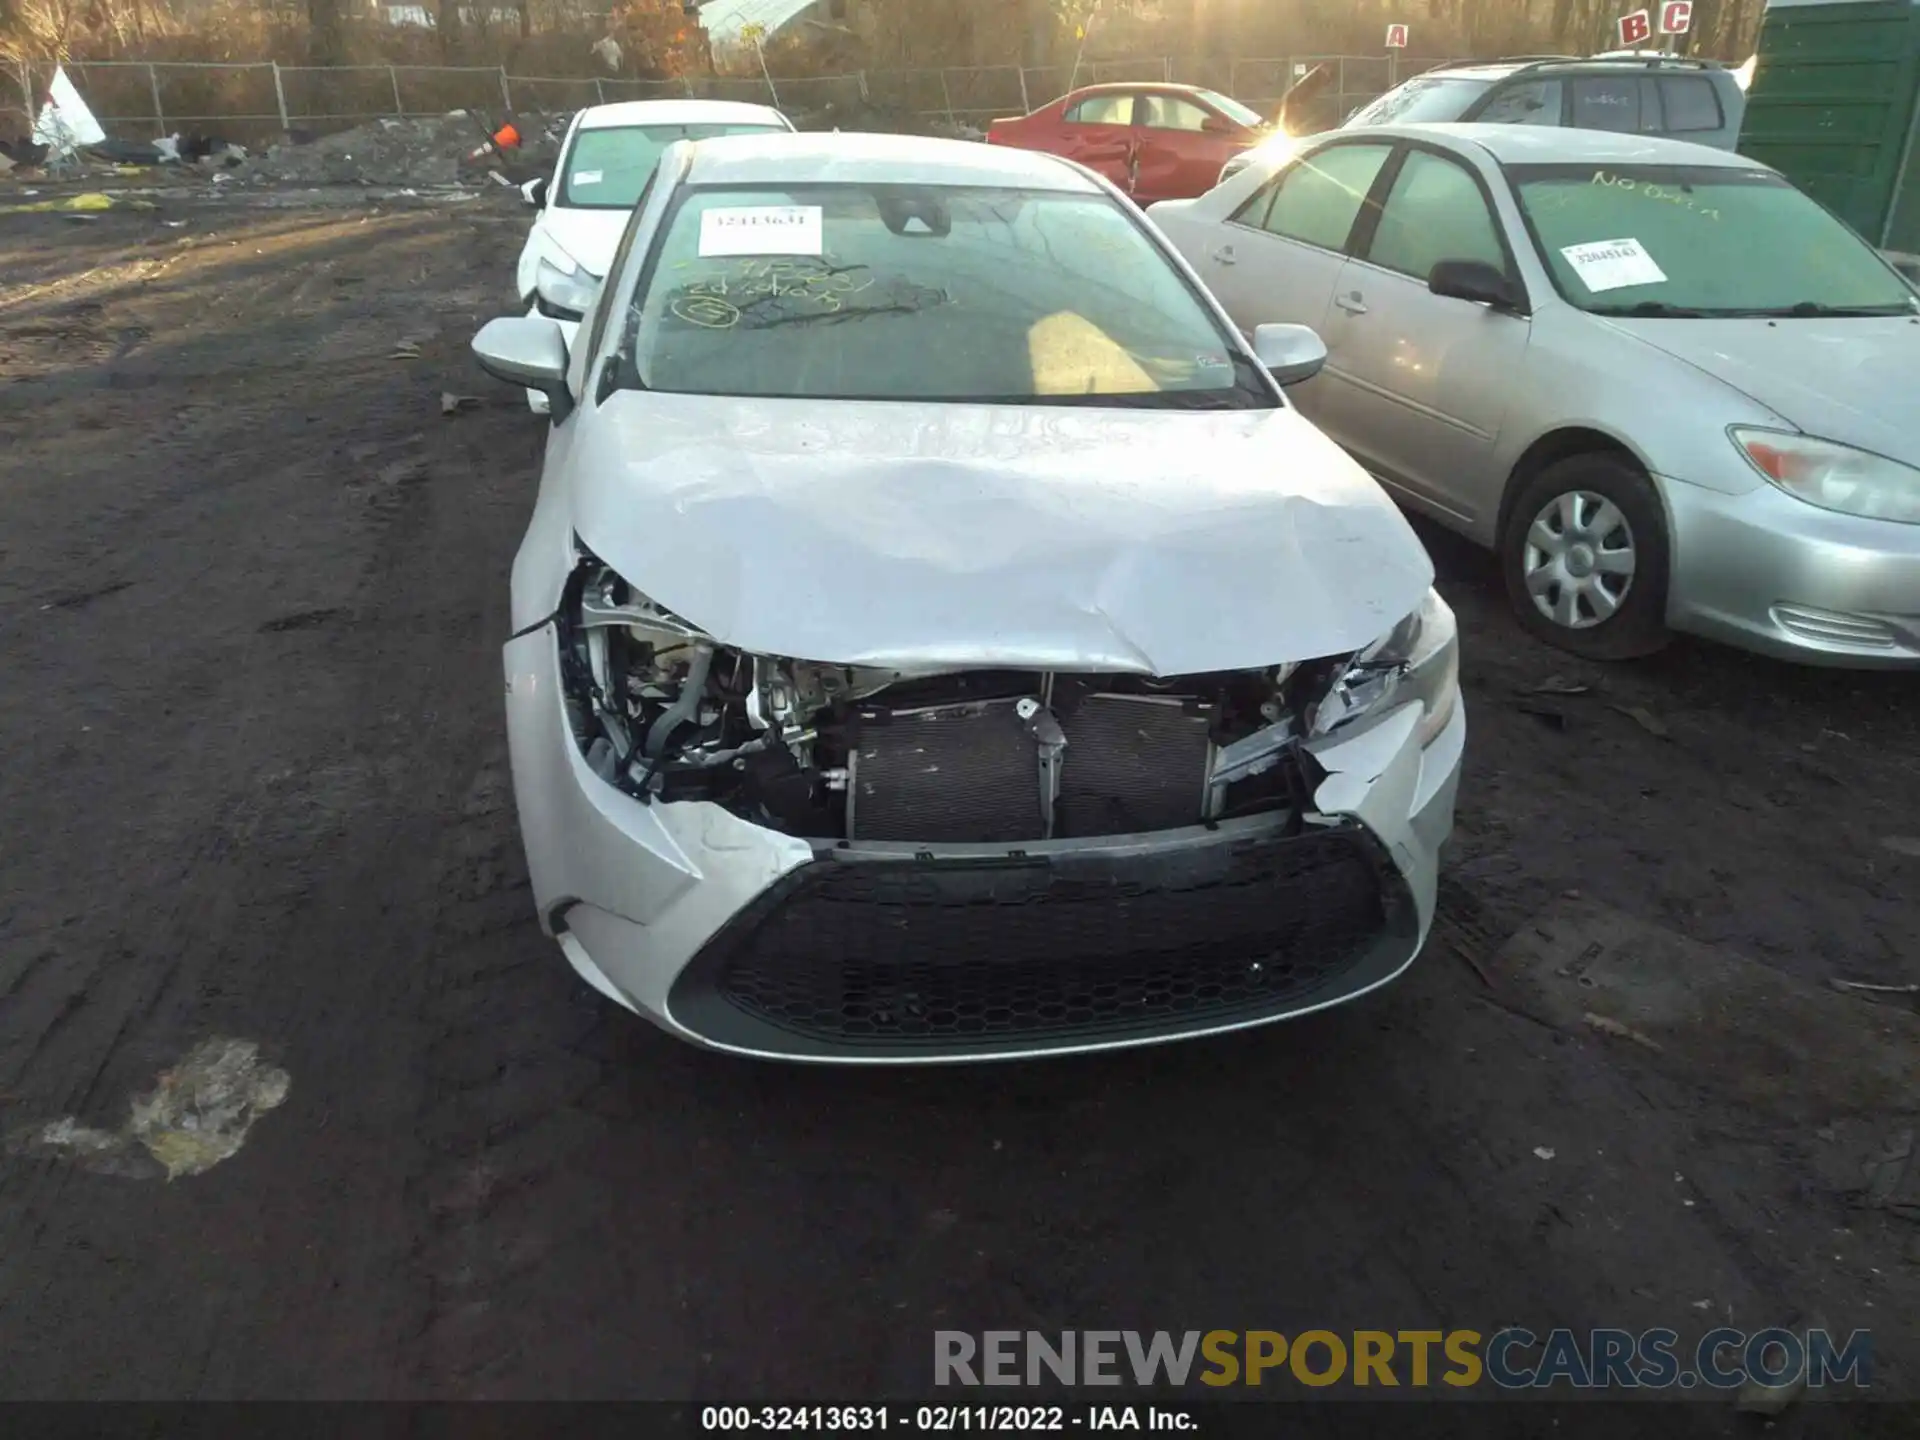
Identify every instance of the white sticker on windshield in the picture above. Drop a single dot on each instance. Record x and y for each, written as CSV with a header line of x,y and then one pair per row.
x,y
761,230
586,177
1612,264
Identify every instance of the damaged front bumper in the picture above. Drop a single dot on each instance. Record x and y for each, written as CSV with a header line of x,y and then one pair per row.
x,y
743,939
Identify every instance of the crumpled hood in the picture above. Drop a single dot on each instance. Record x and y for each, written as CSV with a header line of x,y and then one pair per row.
x,y
897,535
1845,380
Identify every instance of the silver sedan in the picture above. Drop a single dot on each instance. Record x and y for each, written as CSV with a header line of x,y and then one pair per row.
x,y
938,638
1672,391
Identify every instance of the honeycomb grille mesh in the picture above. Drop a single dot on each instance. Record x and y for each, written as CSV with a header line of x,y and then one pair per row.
x,y
952,954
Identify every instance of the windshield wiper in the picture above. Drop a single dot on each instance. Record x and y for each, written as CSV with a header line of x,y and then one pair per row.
x,y
1813,309
1652,309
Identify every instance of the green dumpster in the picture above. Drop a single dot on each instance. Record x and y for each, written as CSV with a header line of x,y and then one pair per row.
x,y
1833,107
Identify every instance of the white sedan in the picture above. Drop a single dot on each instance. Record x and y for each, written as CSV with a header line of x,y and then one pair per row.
x,y
937,637
1670,390
607,158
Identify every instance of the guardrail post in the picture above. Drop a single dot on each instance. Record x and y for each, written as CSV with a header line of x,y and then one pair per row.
x,y
159,114
393,79
1166,68
506,95
947,96
1026,105
861,76
599,91
280,95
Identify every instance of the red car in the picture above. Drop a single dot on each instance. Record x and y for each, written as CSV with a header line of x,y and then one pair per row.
x,y
1156,142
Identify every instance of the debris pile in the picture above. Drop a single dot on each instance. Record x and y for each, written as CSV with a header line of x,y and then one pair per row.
x,y
412,152
383,152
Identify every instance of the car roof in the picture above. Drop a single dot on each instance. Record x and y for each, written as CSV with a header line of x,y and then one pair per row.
x,y
1159,87
676,112
1555,144
878,160
1647,60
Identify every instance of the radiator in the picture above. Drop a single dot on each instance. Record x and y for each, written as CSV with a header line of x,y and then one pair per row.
x,y
1133,763
949,774
971,773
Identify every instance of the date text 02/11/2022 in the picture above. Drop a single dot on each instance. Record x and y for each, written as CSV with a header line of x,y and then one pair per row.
x,y
940,1419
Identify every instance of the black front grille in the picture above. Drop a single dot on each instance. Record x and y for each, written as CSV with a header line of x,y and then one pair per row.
x,y
853,953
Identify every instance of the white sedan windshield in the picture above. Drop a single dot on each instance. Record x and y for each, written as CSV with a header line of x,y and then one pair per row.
x,y
608,168
888,292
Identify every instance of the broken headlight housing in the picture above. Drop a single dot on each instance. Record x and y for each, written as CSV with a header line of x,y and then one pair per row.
x,y
1419,659
563,293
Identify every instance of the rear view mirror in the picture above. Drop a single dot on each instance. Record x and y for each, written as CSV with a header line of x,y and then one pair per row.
x,y
535,192
1219,125
1477,281
1292,353
527,350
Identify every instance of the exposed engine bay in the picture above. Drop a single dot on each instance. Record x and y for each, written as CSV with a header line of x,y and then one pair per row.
x,y
835,752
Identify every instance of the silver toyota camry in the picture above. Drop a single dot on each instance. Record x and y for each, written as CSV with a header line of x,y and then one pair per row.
x,y
938,638
1671,390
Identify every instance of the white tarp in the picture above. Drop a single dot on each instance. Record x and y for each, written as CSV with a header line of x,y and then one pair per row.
x,y
65,122
727,22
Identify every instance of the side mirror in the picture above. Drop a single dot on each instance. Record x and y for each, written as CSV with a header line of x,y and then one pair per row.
x,y
1291,352
530,351
1477,281
534,192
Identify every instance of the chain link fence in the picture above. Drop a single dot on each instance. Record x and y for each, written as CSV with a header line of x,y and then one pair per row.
x,y
250,100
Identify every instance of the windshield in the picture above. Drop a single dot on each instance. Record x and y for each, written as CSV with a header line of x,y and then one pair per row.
x,y
897,292
1234,110
1422,100
1692,241
607,169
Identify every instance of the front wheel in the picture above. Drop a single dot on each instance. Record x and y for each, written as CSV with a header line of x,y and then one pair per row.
x,y
1585,558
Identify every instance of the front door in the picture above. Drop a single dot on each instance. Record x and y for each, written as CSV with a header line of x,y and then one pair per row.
x,y
1416,384
1098,132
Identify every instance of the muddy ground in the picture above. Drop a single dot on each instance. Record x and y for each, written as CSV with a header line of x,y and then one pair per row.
x,y
252,591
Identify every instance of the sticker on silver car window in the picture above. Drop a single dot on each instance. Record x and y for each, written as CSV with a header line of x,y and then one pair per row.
x,y
1612,264
587,177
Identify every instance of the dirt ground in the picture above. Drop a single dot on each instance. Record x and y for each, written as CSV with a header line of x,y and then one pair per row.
x,y
253,585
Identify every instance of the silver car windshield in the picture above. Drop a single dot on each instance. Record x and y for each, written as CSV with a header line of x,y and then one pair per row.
x,y
907,292
1699,241
607,169
1422,100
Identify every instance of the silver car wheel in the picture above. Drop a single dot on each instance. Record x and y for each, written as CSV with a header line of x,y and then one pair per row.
x,y
1579,560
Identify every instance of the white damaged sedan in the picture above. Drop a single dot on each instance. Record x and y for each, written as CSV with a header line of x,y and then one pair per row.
x,y
938,639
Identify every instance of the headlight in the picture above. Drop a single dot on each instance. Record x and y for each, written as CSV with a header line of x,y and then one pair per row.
x,y
1418,659
563,294
1834,477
